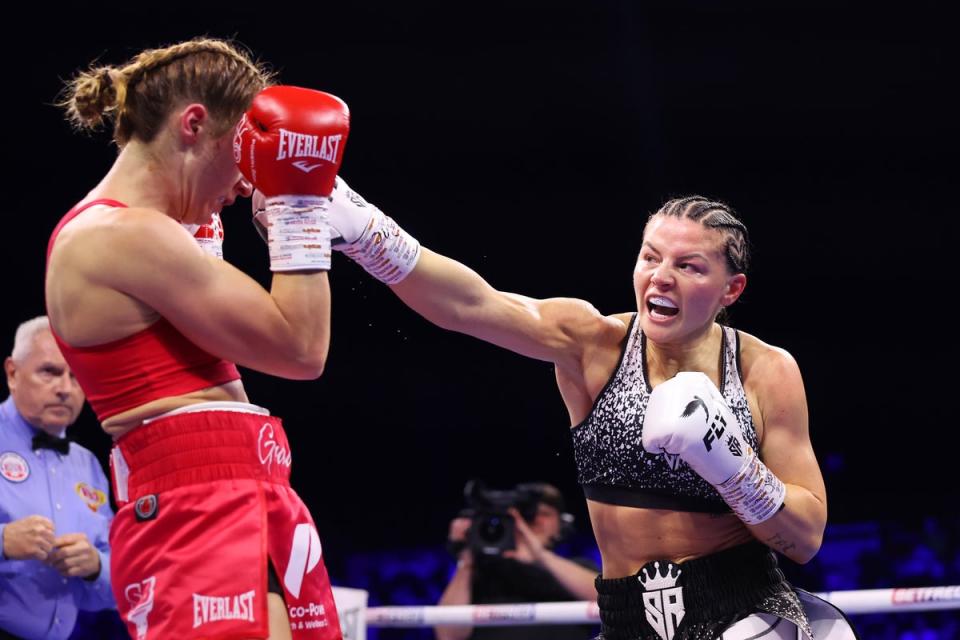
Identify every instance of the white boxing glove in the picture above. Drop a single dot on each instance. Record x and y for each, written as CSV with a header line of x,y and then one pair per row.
x,y
350,215
354,225
362,232
688,416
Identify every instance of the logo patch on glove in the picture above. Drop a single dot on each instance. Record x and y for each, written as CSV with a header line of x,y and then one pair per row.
x,y
714,431
305,166
693,405
734,445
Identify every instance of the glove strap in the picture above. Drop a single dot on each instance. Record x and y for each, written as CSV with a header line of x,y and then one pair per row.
x,y
298,233
754,493
384,249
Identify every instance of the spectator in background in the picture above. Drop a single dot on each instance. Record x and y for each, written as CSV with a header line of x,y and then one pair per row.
x,y
54,513
532,572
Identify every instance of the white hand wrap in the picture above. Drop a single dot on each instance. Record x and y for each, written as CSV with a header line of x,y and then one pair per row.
x,y
385,251
371,238
298,232
688,416
754,493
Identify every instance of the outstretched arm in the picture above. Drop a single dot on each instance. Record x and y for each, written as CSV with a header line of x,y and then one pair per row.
x,y
453,296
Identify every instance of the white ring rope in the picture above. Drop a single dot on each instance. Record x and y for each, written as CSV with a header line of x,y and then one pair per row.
x,y
850,602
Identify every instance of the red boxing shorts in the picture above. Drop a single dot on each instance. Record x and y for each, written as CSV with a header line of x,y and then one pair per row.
x,y
205,503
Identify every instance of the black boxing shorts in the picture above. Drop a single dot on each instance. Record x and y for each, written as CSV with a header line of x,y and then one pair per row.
x,y
697,599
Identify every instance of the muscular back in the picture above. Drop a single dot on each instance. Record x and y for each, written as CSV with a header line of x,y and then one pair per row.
x,y
84,307
89,261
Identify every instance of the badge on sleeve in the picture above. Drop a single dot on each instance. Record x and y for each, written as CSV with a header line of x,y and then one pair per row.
x,y
146,508
14,467
91,496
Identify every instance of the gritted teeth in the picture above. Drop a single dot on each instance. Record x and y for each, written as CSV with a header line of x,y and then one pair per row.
x,y
662,306
660,301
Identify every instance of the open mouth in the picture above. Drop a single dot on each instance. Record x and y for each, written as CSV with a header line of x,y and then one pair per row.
x,y
660,306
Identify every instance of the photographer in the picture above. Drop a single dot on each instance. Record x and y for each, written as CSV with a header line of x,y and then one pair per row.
x,y
503,544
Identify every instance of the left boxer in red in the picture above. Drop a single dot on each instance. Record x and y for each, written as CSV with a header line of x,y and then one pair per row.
x,y
206,513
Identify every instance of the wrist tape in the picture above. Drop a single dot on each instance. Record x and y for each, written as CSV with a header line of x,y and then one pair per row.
x,y
298,233
754,493
384,250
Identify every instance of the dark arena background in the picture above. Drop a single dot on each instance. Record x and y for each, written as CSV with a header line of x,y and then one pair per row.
x,y
530,140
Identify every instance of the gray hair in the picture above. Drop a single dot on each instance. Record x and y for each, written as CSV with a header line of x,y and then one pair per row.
x,y
26,332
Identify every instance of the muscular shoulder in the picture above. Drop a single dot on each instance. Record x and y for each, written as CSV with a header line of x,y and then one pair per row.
x,y
135,239
116,220
141,227
770,373
582,320
613,331
580,323
580,333
106,232
760,359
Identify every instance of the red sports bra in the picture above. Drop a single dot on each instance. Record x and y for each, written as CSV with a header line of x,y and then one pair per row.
x,y
154,363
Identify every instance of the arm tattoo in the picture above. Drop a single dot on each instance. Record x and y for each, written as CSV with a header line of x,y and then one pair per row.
x,y
780,543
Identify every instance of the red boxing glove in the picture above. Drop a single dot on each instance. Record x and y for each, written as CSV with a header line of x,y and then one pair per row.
x,y
210,236
291,141
289,144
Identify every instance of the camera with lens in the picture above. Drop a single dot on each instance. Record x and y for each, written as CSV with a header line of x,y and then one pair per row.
x,y
492,528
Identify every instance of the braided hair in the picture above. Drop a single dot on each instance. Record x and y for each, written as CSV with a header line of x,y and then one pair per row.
x,y
139,95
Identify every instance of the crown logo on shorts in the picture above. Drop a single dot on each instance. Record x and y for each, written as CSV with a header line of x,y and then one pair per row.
x,y
653,579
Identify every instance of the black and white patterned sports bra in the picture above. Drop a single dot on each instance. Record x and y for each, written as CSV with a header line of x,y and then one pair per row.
x,y
611,463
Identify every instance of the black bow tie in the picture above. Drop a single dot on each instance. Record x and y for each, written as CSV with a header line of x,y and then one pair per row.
x,y
44,440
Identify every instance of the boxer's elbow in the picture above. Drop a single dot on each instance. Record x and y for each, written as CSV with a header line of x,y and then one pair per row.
x,y
806,545
307,372
311,367
307,361
813,539
806,550
301,372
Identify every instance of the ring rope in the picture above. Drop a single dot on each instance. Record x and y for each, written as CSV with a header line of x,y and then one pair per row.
x,y
850,602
